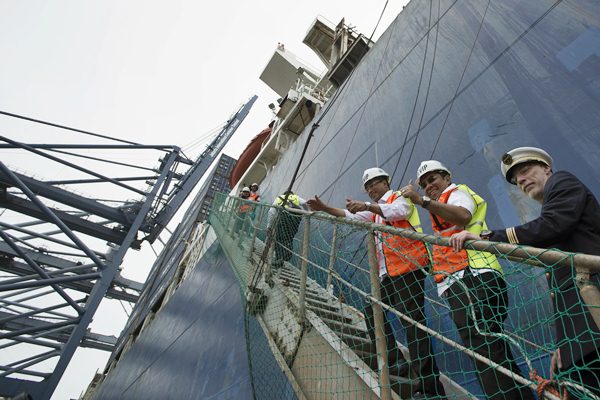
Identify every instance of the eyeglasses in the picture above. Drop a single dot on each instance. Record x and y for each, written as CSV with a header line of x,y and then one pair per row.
x,y
430,179
369,185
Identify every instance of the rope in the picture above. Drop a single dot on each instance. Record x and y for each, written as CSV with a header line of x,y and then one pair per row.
x,y
547,386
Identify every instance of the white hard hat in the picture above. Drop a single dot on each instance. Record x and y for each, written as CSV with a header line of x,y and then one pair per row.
x,y
374,173
245,189
254,184
430,166
522,155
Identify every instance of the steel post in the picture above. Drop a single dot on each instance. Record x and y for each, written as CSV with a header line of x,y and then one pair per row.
x,y
332,257
304,270
380,342
589,293
256,225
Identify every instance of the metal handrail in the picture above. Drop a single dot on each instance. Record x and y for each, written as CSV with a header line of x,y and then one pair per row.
x,y
585,262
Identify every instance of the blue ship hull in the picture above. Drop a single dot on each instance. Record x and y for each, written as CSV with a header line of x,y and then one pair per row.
x,y
461,82
195,348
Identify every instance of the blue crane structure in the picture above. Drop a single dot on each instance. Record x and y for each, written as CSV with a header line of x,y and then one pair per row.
x,y
55,276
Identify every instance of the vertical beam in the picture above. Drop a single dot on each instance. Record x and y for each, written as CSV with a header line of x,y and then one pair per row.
x,y
589,293
380,342
304,270
256,225
332,256
231,215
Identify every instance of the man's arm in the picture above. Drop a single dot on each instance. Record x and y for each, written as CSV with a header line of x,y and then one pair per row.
x,y
317,204
564,202
456,215
357,206
457,241
398,210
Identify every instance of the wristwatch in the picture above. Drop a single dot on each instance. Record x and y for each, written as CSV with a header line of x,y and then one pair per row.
x,y
367,205
425,201
485,235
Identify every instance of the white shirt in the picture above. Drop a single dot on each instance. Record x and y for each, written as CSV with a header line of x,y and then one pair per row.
x,y
398,210
464,200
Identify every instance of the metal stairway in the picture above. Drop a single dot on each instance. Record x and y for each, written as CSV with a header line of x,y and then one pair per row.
x,y
296,322
346,324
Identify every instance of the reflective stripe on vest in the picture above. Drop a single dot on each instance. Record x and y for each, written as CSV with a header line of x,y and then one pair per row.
x,y
445,260
402,255
254,197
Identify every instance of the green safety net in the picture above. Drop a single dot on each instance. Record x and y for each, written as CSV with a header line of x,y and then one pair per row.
x,y
321,322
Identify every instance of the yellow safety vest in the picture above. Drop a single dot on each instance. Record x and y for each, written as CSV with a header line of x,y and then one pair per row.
x,y
445,260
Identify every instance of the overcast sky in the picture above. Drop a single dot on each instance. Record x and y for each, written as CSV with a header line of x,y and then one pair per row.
x,y
153,72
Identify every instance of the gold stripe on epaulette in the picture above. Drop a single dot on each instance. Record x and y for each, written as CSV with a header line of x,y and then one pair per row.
x,y
512,235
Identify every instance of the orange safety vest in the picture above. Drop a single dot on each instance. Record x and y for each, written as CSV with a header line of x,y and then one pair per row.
x,y
254,197
445,259
245,207
401,255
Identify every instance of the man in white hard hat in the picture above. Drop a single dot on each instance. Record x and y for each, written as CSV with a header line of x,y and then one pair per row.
x,y
569,221
468,277
245,193
254,196
401,263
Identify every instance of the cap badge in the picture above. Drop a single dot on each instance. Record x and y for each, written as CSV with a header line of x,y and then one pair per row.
x,y
507,159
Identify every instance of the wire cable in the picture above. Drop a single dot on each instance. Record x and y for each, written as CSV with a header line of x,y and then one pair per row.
x,y
460,81
379,20
39,121
124,309
412,114
498,57
99,159
304,150
343,125
412,150
364,108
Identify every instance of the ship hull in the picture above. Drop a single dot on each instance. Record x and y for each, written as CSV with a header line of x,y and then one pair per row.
x,y
461,82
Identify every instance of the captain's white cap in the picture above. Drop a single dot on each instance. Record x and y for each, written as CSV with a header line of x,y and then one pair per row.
x,y
522,155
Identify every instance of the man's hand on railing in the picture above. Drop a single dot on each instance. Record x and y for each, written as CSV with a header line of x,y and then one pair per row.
x,y
458,239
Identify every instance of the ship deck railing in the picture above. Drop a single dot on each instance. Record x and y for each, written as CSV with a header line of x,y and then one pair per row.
x,y
329,276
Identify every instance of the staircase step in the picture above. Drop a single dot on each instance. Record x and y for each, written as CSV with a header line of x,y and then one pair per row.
x,y
291,273
312,297
340,327
325,306
405,387
335,316
357,342
309,290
